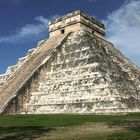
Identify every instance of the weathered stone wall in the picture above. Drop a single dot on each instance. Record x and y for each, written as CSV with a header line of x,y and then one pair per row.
x,y
76,21
87,76
3,78
67,29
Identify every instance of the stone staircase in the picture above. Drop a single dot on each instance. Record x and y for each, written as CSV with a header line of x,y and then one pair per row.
x,y
9,89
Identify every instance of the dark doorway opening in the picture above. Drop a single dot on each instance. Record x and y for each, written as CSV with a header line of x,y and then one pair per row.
x,y
62,31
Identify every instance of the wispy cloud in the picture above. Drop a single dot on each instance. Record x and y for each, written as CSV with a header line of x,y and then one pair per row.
x,y
28,31
123,29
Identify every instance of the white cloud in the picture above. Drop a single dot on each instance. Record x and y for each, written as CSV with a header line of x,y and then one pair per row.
x,y
123,29
29,31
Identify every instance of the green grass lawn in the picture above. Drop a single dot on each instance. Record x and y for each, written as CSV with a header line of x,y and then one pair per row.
x,y
71,127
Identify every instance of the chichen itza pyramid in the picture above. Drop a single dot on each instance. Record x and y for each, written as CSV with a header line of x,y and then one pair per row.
x,y
75,70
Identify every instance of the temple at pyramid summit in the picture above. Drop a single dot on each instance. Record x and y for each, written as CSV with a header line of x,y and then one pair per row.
x,y
75,70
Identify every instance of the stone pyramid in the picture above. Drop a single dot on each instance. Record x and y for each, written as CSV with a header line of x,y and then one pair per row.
x,y
75,70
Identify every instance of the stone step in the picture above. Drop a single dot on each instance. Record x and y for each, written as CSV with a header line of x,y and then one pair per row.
x,y
82,67
65,108
73,78
42,101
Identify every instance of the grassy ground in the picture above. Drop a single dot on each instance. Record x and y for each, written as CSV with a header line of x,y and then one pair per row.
x,y
70,127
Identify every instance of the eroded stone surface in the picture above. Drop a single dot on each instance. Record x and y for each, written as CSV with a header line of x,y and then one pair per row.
x,y
87,75
74,21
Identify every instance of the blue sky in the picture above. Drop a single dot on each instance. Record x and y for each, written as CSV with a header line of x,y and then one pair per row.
x,y
24,22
